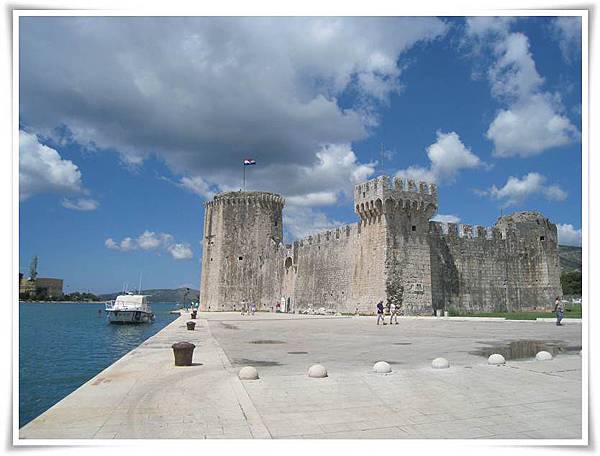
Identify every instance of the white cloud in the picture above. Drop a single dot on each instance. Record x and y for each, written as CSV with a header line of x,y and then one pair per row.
x,y
483,26
152,241
42,170
447,156
300,222
80,204
181,251
530,128
197,185
128,244
313,199
446,218
567,31
213,90
514,76
568,235
111,244
533,120
516,190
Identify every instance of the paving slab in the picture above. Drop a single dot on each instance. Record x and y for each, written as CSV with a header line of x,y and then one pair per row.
x,y
143,395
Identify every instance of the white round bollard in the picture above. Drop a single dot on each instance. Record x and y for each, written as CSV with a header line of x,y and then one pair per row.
x,y
248,373
317,371
381,367
496,359
543,356
440,363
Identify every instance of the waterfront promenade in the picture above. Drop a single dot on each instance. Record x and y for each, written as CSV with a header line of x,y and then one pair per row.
x,y
143,395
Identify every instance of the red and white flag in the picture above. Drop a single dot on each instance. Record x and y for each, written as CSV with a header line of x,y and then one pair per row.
x,y
249,161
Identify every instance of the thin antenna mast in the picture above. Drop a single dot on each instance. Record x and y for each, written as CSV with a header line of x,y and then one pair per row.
x,y
140,285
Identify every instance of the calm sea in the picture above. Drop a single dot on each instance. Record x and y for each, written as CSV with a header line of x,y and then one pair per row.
x,y
62,346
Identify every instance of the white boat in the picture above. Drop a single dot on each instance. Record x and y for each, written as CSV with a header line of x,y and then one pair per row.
x,y
129,309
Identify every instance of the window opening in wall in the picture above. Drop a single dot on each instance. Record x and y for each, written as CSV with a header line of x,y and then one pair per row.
x,y
414,228
542,238
211,259
240,258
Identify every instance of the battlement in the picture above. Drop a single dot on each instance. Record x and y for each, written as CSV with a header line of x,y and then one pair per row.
x,y
338,234
248,198
457,230
384,194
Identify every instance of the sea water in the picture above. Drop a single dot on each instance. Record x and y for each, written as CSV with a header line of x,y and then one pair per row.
x,y
62,346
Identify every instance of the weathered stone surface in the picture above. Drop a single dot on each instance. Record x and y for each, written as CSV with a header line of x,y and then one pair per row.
x,y
543,356
394,253
381,367
440,363
496,359
317,371
248,373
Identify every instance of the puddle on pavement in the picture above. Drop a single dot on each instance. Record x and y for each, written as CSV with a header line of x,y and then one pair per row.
x,y
255,362
267,342
521,349
228,326
402,343
297,353
395,362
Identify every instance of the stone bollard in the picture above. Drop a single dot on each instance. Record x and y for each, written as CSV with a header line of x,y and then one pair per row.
x,y
317,371
183,352
248,373
381,367
496,359
440,363
191,325
445,313
543,356
438,312
194,314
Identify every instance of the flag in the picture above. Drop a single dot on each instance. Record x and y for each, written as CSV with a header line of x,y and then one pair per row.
x,y
249,161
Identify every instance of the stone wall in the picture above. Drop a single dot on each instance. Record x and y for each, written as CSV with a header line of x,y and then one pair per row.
x,y
393,252
504,268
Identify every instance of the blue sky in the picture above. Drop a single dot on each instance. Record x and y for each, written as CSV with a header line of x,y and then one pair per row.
x,y
127,125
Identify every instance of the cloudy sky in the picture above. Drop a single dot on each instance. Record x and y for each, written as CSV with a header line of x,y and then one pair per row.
x,y
127,125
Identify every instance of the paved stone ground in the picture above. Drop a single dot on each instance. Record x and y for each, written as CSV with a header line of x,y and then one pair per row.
x,y
144,396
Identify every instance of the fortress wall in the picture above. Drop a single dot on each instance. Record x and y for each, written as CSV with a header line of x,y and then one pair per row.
x,y
493,269
319,275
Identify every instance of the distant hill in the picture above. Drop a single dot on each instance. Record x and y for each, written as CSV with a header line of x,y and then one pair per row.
x,y
161,295
570,258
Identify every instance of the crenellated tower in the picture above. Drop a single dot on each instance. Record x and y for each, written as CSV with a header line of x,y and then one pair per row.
x,y
402,209
242,232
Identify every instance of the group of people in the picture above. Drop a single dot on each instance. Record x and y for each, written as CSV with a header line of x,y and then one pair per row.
x,y
392,310
248,309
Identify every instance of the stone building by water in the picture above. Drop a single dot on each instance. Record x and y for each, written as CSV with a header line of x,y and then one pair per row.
x,y
394,252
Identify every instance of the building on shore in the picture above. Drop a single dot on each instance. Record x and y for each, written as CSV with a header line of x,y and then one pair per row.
x,y
40,287
393,253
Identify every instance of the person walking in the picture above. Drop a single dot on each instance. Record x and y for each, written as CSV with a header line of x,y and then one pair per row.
x,y
380,313
252,308
393,313
559,310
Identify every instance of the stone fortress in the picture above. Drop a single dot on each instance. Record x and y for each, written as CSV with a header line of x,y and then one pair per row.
x,y
394,252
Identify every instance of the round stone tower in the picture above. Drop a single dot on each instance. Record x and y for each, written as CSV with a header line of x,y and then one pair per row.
x,y
242,235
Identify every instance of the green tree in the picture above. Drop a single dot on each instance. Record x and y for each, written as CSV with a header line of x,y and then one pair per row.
x,y
571,282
